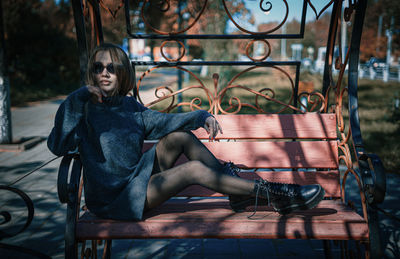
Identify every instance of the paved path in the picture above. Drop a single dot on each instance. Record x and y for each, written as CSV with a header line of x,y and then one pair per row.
x,y
45,234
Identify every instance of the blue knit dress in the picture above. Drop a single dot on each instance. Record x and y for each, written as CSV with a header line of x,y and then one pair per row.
x,y
109,137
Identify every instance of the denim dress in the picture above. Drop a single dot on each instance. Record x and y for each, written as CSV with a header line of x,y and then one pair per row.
x,y
109,137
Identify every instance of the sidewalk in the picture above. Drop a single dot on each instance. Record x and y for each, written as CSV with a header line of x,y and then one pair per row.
x,y
46,233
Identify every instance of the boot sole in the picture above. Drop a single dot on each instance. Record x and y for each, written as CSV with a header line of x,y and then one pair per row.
x,y
305,206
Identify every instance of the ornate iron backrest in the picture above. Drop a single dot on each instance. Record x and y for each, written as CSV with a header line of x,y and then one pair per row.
x,y
329,99
215,95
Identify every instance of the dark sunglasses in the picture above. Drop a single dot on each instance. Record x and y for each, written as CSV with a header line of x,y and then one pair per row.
x,y
98,68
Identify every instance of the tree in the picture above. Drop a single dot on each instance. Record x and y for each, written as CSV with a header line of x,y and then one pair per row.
x,y
42,54
5,113
370,42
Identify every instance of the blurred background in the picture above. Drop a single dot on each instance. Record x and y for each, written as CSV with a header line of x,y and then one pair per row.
x,y
42,57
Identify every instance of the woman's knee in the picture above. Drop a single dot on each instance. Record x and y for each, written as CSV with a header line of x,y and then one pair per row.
x,y
195,169
170,143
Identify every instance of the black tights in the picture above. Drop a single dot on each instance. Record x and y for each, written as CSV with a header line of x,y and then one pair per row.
x,y
203,169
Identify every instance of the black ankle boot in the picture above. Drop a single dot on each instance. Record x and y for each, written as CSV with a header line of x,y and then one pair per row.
x,y
238,203
231,169
286,198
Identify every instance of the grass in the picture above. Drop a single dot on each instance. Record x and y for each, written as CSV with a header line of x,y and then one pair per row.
x,y
380,121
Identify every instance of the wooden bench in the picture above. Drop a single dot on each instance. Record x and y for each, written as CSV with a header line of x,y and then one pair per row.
x,y
293,143
309,145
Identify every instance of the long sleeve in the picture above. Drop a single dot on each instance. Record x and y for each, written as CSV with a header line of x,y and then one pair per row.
x,y
159,124
63,137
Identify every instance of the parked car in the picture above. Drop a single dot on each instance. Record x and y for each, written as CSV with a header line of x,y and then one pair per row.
x,y
376,63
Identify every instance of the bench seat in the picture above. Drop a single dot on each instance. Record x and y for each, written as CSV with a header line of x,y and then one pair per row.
x,y
213,218
287,148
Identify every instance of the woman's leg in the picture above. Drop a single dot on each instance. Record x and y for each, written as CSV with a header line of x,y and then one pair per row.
x,y
170,147
168,183
205,169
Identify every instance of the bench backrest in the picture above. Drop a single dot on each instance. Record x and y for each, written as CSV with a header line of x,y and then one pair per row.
x,y
300,148
290,148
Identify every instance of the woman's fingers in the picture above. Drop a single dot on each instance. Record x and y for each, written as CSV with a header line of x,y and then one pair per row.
x,y
212,127
103,93
97,93
206,128
219,128
212,130
99,97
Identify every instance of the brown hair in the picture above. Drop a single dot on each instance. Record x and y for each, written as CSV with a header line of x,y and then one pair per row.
x,y
122,65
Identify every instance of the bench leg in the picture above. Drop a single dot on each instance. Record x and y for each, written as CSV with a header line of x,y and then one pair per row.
x,y
327,249
71,245
375,246
91,252
107,249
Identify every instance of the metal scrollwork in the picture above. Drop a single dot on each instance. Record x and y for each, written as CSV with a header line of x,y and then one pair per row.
x,y
163,93
348,11
166,93
315,99
268,4
108,9
7,216
181,55
266,93
362,194
215,99
322,10
165,9
267,51
268,8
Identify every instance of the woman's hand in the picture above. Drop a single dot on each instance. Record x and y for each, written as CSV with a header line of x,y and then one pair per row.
x,y
97,93
212,127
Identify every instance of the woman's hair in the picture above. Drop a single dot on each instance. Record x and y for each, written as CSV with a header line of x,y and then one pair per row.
x,y
122,66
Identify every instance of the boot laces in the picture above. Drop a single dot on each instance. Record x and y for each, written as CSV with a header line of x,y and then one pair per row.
x,y
260,184
284,189
231,169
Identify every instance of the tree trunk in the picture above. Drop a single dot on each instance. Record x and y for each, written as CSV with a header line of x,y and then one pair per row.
x,y
5,112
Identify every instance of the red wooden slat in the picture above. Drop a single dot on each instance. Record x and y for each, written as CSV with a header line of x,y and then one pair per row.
x,y
213,219
329,180
275,126
299,154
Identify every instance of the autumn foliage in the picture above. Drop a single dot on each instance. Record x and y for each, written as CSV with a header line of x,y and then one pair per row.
x,y
43,57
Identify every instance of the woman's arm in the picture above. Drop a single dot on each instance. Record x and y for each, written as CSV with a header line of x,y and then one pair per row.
x,y
159,124
63,137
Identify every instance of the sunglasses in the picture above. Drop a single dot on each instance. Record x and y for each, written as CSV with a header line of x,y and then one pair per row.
x,y
98,68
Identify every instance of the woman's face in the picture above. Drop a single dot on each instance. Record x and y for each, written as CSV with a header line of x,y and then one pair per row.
x,y
105,72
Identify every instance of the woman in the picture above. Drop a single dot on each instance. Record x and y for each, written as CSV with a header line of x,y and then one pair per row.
x,y
121,182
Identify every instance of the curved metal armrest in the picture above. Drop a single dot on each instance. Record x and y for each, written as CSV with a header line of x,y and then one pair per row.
x,y
373,177
7,217
64,188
